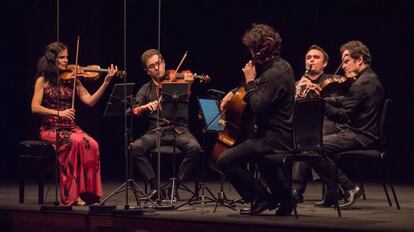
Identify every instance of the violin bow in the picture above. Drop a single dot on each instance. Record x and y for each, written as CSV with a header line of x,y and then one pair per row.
x,y
339,67
179,65
76,71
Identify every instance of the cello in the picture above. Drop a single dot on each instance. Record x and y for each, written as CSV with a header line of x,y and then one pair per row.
x,y
237,119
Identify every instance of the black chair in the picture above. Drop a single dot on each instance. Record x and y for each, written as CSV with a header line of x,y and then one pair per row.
x,y
307,139
378,155
39,156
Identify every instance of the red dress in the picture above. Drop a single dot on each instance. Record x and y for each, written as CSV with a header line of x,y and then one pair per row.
x,y
78,153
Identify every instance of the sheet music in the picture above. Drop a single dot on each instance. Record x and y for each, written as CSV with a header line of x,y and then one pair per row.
x,y
211,114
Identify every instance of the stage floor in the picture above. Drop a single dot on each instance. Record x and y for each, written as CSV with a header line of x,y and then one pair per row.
x,y
372,214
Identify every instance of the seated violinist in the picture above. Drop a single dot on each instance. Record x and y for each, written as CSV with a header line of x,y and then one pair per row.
x,y
172,128
78,153
358,113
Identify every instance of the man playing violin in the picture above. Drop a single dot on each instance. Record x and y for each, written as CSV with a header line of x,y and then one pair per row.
x,y
174,131
357,115
270,95
78,153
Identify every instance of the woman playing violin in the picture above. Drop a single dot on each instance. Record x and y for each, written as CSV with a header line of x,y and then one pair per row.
x,y
78,153
148,99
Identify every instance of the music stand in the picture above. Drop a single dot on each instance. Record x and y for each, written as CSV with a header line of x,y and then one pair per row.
x,y
211,115
120,93
118,102
209,107
174,106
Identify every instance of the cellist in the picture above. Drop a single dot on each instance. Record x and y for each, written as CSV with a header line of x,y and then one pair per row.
x,y
270,95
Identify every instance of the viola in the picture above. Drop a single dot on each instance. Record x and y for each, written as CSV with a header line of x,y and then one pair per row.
x,y
172,76
179,77
336,83
90,72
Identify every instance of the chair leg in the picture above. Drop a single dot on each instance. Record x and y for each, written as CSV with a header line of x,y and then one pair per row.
x,y
336,191
41,187
287,168
383,179
386,179
397,203
361,183
22,174
21,186
40,181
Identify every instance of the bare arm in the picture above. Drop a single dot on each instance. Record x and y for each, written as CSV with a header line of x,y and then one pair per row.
x,y
37,107
226,99
89,99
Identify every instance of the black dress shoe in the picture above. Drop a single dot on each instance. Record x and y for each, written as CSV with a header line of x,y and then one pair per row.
x,y
325,203
260,206
298,197
350,197
153,195
284,210
245,211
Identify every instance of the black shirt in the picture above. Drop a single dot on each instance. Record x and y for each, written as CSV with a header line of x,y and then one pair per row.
x,y
360,109
317,81
271,98
171,113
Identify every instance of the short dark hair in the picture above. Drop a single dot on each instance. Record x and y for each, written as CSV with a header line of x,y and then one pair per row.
x,y
316,47
264,41
357,49
147,54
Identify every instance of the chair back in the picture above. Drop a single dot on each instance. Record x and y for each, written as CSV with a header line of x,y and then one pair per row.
x,y
308,125
384,123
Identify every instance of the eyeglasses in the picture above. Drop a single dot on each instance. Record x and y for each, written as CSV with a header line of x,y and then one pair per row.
x,y
153,65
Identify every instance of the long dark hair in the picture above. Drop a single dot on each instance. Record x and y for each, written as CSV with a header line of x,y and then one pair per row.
x,y
46,65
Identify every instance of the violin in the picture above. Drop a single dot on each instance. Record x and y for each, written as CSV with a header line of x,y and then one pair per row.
x,y
336,83
90,72
179,77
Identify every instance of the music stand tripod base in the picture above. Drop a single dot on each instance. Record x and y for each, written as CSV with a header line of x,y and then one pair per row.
x,y
117,106
175,102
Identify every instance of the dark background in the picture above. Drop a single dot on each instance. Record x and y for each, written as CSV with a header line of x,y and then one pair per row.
x,y
210,30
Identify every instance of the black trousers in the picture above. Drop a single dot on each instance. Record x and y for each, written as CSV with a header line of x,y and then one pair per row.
x,y
301,174
343,140
301,171
184,140
233,163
